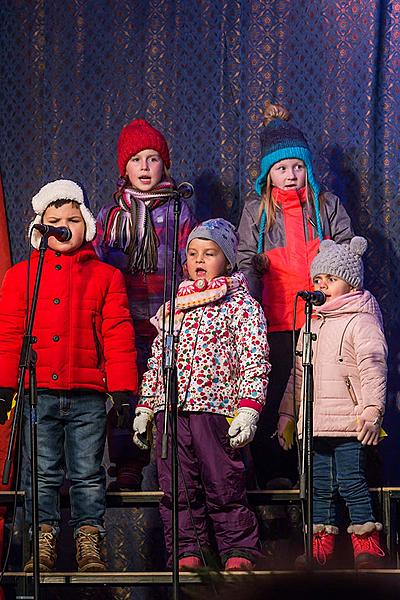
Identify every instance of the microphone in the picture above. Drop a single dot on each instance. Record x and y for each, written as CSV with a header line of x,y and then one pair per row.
x,y
318,298
62,234
185,190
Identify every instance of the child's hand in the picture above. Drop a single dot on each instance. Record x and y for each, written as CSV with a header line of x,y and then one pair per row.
x,y
6,396
122,408
369,425
286,431
243,427
143,417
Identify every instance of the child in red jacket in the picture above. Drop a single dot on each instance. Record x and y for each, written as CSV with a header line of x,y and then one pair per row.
x,y
85,348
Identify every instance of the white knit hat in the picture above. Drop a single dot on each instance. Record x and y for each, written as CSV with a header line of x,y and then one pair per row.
x,y
342,260
61,189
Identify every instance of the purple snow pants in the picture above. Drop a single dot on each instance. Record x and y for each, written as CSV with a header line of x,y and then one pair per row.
x,y
215,479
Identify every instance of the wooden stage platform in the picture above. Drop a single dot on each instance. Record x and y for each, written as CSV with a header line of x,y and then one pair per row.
x,y
387,498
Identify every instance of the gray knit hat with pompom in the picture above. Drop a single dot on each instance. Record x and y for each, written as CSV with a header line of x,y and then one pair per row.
x,y
342,260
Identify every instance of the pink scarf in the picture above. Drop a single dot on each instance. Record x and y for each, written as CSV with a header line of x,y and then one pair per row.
x,y
192,294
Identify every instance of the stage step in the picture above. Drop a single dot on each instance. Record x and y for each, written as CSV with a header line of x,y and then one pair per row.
x,y
117,579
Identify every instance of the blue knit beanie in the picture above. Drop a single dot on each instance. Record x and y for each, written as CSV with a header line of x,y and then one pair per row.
x,y
281,140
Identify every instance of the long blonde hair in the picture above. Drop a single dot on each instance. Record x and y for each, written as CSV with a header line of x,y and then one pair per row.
x,y
269,204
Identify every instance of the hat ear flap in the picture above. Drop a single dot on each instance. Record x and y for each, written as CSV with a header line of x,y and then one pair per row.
x,y
33,234
90,222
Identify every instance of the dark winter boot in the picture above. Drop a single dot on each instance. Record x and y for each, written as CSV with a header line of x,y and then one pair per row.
x,y
47,550
128,476
88,557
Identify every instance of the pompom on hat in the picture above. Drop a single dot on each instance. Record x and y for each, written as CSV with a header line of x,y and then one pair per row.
x,y
137,136
222,233
281,140
61,189
342,260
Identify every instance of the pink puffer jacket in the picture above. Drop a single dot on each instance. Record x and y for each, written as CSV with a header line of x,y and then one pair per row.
x,y
349,360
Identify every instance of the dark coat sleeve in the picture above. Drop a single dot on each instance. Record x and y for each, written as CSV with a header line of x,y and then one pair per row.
x,y
340,227
247,249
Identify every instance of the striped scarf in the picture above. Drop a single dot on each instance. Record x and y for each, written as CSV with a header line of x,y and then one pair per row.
x,y
129,225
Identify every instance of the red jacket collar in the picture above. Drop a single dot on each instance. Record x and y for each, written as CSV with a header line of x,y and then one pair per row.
x,y
289,196
84,253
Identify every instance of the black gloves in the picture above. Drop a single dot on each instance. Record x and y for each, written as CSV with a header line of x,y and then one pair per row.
x,y
6,396
122,408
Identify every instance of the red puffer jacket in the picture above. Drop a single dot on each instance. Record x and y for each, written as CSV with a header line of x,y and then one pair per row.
x,y
85,336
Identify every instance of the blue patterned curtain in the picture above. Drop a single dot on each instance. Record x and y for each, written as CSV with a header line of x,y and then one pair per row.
x,y
74,71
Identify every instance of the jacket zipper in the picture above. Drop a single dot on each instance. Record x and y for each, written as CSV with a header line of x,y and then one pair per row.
x,y
96,343
351,391
343,333
318,333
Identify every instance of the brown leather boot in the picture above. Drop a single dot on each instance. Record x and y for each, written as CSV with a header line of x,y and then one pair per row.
x,y
47,550
88,557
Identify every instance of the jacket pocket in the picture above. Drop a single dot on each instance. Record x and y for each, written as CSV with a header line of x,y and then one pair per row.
x,y
97,343
352,393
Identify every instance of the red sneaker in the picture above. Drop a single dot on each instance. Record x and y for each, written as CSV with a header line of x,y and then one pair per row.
x,y
367,550
190,563
239,563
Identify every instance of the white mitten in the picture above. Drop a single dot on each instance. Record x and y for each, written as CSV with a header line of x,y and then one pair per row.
x,y
243,427
369,426
143,416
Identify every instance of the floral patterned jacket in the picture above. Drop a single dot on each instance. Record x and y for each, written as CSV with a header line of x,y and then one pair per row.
x,y
222,358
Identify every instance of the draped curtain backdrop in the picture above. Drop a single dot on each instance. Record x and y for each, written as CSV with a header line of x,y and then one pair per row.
x,y
74,72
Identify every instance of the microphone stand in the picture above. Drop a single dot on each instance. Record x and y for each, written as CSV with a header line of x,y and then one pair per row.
x,y
306,468
171,392
28,361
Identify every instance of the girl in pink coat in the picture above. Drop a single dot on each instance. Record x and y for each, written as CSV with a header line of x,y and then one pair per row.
x,y
349,360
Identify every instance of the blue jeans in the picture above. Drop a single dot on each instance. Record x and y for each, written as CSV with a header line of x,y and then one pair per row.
x,y
71,439
339,469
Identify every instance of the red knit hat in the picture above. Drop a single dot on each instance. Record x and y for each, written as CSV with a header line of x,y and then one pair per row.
x,y
137,136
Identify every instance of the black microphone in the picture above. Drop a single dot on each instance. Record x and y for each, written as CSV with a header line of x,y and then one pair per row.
x,y
185,190
62,234
318,298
